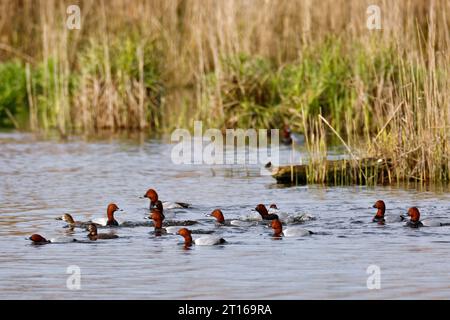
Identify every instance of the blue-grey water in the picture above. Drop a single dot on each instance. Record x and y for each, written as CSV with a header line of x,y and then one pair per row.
x,y
41,179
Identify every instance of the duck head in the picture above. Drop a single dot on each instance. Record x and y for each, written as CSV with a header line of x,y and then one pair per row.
x,y
414,214
157,218
112,207
186,234
66,218
277,227
217,213
153,196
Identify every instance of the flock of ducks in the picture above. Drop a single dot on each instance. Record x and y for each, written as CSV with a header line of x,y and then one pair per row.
x,y
260,214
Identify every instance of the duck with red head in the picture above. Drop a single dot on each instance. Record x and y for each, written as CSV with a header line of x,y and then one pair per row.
x,y
277,228
381,209
38,239
186,234
159,218
414,215
217,213
415,221
202,241
153,196
221,221
158,208
286,137
112,207
109,221
274,212
262,210
294,231
380,216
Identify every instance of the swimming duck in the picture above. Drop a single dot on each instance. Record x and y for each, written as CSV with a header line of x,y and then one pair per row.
x,y
153,196
220,220
265,215
415,222
288,232
283,216
380,215
287,136
109,220
38,239
168,224
158,207
169,227
158,217
71,223
202,241
93,235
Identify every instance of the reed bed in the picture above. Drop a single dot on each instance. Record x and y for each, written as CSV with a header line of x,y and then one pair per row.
x,y
157,65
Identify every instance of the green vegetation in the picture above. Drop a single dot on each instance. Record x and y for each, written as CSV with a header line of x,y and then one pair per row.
x,y
13,94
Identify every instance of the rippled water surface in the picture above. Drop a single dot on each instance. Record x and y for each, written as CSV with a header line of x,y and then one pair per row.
x,y
42,179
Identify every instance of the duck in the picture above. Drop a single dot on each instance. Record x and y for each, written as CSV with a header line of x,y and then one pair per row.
x,y
71,223
168,224
38,239
283,216
288,232
288,137
158,217
202,241
415,222
93,235
264,213
158,207
220,220
153,196
381,218
109,220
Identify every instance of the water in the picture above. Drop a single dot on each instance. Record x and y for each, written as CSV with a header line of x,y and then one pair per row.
x,y
42,179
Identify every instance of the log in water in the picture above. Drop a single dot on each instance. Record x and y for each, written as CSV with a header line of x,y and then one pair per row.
x,y
336,172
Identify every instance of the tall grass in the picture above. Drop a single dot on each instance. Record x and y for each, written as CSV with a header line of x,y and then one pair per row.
x,y
155,65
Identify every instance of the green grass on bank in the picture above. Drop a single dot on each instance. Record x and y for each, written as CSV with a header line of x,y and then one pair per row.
x,y
113,87
377,99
